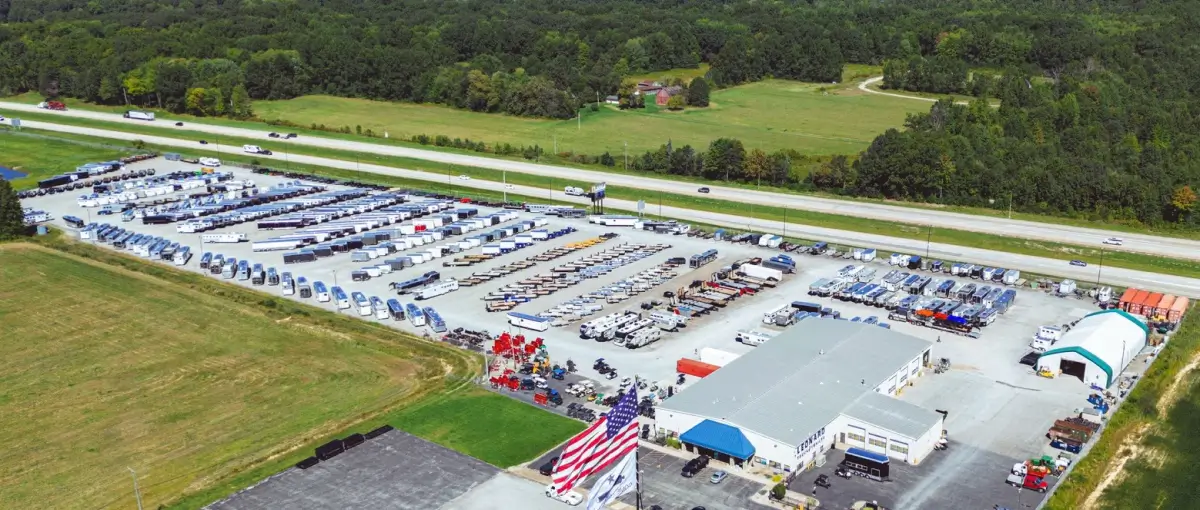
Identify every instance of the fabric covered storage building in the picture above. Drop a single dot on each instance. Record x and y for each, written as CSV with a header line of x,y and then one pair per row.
x,y
800,393
1098,348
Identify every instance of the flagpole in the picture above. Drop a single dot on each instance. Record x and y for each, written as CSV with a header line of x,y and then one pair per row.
x,y
637,454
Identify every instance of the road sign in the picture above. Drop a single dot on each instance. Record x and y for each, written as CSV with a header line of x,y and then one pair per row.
x,y
16,123
641,205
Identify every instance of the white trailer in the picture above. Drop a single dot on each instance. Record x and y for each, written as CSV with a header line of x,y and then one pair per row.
x,y
362,303
753,337
526,321
610,220
437,289
227,237
764,273
643,337
770,315
138,115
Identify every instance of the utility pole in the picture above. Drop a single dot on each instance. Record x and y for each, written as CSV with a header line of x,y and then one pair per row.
x,y
1101,270
785,221
136,491
504,178
626,156
1010,205
928,237
555,144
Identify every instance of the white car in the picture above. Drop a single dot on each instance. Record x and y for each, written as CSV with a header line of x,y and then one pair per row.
x,y
1114,241
464,177
570,497
509,186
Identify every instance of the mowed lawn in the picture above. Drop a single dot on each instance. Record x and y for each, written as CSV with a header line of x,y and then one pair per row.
x,y
504,431
41,157
771,115
107,370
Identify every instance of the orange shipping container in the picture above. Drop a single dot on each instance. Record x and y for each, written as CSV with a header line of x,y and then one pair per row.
x,y
1177,309
1126,297
1164,305
1135,304
1150,302
694,367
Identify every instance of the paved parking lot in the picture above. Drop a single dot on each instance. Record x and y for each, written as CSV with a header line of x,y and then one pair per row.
x,y
663,485
393,471
999,409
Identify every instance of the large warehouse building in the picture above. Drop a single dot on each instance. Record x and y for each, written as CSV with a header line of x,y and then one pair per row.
x,y
1098,348
792,398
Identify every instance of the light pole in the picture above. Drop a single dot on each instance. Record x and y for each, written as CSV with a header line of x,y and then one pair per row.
x,y
1010,205
1101,269
626,155
928,237
334,271
136,491
504,179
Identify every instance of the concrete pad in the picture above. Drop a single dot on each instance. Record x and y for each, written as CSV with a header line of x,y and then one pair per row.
x,y
393,471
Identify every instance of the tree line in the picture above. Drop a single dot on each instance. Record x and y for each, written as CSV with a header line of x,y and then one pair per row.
x,y
521,57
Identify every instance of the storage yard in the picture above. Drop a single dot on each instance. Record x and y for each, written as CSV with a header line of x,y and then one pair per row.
x,y
998,361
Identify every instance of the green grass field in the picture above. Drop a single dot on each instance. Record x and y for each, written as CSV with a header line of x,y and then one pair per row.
x,y
42,157
770,115
203,387
503,431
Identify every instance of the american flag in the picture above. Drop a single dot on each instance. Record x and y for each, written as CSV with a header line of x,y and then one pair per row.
x,y
610,438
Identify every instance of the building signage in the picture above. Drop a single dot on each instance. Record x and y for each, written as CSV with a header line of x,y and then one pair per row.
x,y
810,443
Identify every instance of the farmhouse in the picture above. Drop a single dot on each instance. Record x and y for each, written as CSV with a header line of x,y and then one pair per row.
x,y
665,94
796,396
1098,348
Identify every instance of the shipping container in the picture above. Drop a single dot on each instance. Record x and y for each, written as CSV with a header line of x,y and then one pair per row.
x,y
1177,309
694,368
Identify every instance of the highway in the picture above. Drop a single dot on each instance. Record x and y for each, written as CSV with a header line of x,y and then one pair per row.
x,y
1140,243
1111,275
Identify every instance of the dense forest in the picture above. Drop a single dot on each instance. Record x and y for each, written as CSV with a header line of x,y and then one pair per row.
x,y
1099,97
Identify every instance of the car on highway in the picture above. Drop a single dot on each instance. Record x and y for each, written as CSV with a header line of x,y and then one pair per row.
x,y
509,186
272,135
1078,263
703,190
570,497
1117,241
203,142
464,177
291,135
717,477
178,124
254,149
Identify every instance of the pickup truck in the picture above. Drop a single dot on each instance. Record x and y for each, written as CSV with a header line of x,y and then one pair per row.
x,y
570,497
1028,481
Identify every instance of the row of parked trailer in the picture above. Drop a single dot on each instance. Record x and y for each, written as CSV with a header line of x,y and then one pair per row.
x,y
143,245
568,275
148,187
536,235
268,202
628,329
592,302
479,277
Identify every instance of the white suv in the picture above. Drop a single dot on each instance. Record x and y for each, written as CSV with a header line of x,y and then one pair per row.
x,y
1114,241
570,497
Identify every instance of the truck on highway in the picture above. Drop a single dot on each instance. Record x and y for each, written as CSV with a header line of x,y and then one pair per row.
x,y
574,191
52,105
139,115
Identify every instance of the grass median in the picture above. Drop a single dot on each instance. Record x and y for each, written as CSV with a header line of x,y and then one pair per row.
x,y
1060,251
803,167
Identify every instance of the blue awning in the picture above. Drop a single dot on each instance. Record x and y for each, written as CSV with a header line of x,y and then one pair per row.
x,y
719,437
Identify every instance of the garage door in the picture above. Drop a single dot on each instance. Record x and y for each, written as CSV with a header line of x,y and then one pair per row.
x,y
856,436
877,444
898,449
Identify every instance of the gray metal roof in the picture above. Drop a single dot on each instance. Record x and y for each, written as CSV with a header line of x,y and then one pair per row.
x,y
893,414
800,381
